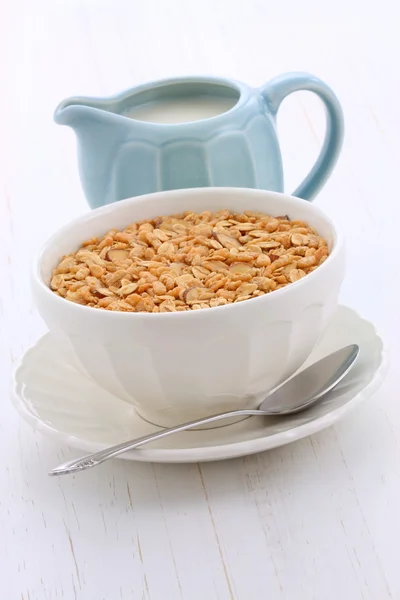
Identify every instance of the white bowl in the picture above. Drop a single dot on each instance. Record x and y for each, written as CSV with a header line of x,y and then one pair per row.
x,y
179,366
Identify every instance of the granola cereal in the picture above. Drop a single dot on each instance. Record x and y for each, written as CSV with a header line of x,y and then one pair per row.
x,y
189,261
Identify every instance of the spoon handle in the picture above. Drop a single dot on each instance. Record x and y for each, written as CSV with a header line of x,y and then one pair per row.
x,y
92,460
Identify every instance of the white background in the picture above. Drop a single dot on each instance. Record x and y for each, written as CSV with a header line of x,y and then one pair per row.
x,y
316,520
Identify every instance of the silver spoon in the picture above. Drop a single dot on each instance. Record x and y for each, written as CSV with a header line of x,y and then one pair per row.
x,y
295,394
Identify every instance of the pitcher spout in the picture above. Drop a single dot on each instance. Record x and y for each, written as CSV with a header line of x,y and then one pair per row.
x,y
75,110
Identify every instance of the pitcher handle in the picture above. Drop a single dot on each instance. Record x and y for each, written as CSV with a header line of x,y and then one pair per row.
x,y
276,90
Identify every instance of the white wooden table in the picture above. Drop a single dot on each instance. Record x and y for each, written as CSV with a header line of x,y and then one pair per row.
x,y
318,519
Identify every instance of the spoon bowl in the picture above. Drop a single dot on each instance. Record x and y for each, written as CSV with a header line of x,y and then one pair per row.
x,y
309,385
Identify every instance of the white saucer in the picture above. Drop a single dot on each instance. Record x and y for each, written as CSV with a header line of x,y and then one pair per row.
x,y
57,399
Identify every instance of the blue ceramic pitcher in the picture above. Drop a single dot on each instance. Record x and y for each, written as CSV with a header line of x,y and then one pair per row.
x,y
138,142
